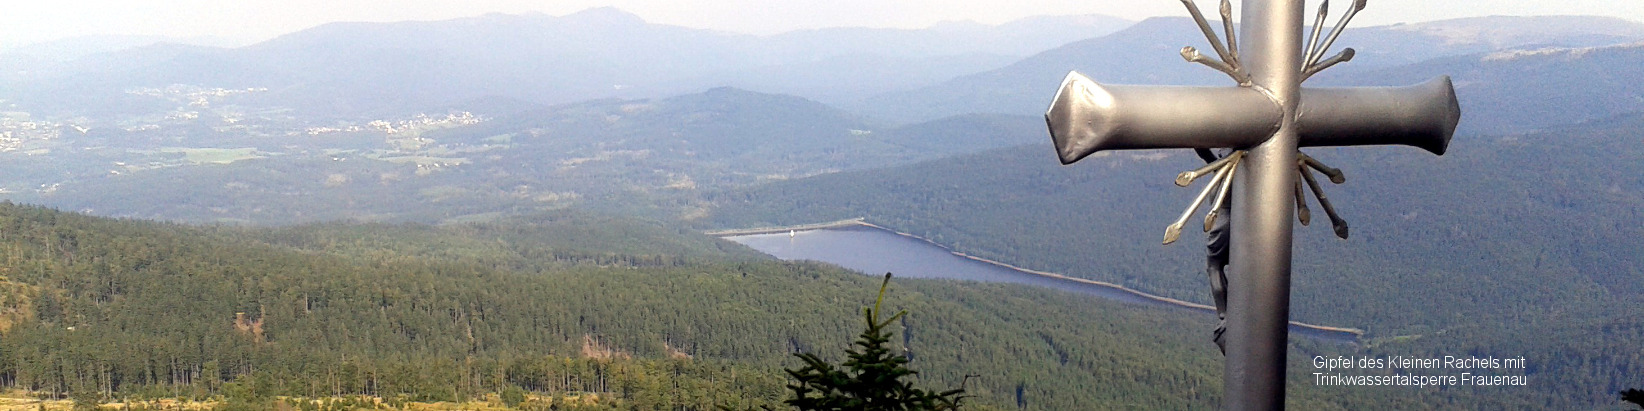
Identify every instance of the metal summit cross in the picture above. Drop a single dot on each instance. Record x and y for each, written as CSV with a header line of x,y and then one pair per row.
x,y
1266,118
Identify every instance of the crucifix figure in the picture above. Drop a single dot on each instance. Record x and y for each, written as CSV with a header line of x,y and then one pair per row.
x,y
1260,123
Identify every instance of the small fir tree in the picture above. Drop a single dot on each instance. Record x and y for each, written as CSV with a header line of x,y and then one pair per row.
x,y
1635,396
871,379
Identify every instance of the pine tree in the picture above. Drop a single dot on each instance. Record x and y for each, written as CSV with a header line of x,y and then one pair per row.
x,y
1634,396
871,379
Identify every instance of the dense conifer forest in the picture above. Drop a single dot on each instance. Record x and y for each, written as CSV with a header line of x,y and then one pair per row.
x,y
134,309
638,314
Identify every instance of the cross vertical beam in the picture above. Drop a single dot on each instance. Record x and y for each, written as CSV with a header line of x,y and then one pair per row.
x,y
1269,115
1263,205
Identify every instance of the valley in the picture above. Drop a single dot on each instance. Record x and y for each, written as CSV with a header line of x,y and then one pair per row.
x,y
447,213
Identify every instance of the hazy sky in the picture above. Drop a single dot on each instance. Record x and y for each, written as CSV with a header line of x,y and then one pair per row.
x,y
255,20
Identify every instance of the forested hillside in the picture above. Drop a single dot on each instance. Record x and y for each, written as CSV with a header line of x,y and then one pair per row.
x,y
562,304
568,304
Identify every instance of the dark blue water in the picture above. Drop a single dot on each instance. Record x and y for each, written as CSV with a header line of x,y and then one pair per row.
x,y
875,251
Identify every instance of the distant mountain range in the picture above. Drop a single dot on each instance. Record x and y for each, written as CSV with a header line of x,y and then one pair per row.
x,y
646,156
352,68
1527,89
747,127
1467,49
349,70
50,55
308,150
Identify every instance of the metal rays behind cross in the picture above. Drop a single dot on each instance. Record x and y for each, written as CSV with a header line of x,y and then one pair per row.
x,y
1266,117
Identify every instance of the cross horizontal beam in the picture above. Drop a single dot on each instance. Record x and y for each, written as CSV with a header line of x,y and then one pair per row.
x,y
1423,116
1087,117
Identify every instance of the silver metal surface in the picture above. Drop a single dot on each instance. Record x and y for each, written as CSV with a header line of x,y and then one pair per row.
x,y
1267,117
1227,27
1344,56
1210,34
1358,5
1173,232
1318,27
1192,56
1336,222
1223,193
1302,214
1187,177
1259,281
1336,177
1423,116
1087,117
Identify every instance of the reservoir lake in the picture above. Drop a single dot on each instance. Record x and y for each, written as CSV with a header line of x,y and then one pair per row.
x,y
874,251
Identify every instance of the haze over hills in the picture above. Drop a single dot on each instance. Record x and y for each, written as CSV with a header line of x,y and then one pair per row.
x,y
25,60
344,69
1527,89
1146,53
516,154
1519,242
625,154
1481,34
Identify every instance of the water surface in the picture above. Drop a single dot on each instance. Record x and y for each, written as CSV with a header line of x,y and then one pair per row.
x,y
874,251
